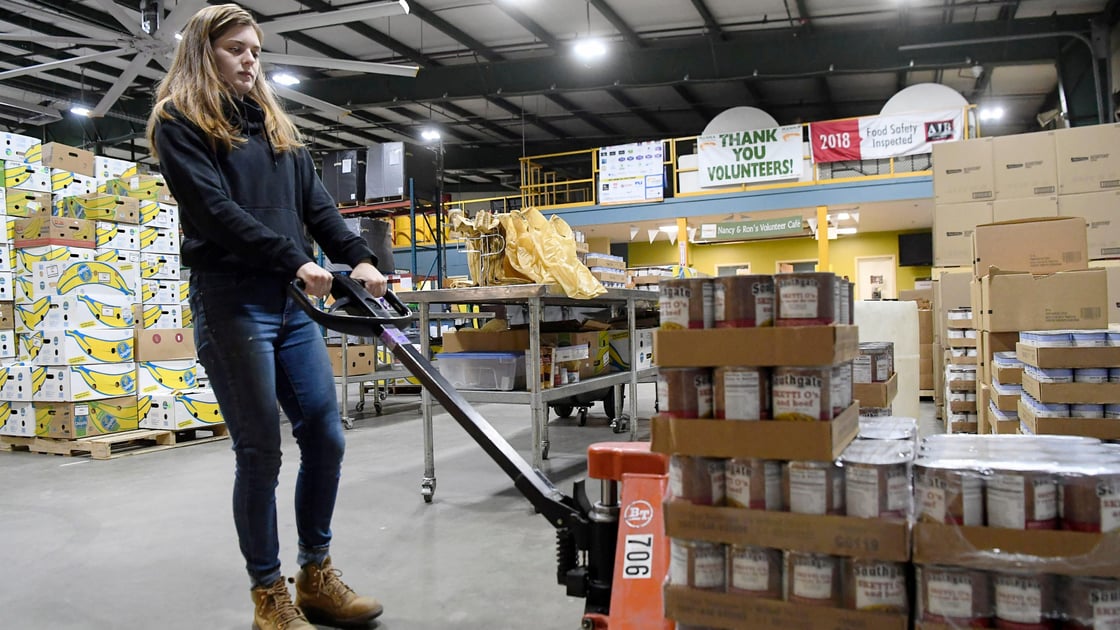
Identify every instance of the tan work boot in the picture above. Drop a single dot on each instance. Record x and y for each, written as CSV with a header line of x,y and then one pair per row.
x,y
275,610
326,599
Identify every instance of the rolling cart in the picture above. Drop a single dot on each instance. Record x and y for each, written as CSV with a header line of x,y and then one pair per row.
x,y
613,553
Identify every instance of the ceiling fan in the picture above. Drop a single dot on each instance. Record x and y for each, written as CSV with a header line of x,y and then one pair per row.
x,y
152,35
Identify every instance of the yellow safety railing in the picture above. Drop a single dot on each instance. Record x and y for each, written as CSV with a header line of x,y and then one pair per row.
x,y
544,186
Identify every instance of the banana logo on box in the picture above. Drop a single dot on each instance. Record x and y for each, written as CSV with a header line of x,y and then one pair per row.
x,y
149,210
30,315
106,232
5,413
172,378
143,406
25,288
109,417
148,236
101,207
152,314
34,154
28,257
5,374
187,317
150,269
184,293
104,350
32,228
107,384
203,411
15,177
148,291
95,272
30,345
60,180
38,378
107,314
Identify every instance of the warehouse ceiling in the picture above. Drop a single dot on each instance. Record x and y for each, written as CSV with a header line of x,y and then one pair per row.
x,y
499,78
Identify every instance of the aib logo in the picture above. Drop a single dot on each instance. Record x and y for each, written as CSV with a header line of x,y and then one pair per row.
x,y
939,130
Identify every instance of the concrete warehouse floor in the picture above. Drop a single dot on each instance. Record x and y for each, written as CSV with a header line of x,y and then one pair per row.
x,y
148,541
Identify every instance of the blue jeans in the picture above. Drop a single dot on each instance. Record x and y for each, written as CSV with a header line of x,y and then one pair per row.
x,y
259,347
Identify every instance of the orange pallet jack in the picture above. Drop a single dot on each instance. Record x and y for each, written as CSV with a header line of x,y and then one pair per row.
x,y
614,554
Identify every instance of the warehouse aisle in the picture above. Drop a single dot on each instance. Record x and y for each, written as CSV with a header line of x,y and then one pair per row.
x,y
147,541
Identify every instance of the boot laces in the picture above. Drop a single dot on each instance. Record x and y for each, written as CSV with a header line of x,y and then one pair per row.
x,y
283,610
330,583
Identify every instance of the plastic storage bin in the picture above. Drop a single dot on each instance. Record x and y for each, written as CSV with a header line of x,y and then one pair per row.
x,y
499,371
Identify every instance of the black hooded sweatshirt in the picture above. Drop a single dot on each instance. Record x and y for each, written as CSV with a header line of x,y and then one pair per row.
x,y
249,210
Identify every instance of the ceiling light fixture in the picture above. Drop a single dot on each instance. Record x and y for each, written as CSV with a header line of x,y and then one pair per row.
x,y
285,79
843,216
846,231
80,110
589,48
430,135
991,113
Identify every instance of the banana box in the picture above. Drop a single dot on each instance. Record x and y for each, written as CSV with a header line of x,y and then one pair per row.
x,y
7,286
20,380
9,345
164,291
161,316
62,346
25,287
94,278
160,215
82,312
75,383
25,203
21,176
67,158
26,256
17,419
188,315
159,266
118,236
29,345
7,257
48,230
145,187
176,411
7,316
127,263
155,240
98,207
18,148
165,344
106,168
159,377
72,420
202,378
67,184
30,315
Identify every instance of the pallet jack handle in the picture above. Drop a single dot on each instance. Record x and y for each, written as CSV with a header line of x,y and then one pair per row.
x,y
356,312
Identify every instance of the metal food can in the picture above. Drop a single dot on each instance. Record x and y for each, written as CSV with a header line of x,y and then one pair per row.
x,y
802,393
1025,601
697,564
741,393
685,392
687,303
957,597
805,299
744,301
1022,499
754,571
698,480
815,488
875,585
755,484
813,579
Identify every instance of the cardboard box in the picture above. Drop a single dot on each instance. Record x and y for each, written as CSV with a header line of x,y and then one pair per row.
x,y
925,357
925,326
785,346
191,409
1022,301
1112,270
474,340
18,148
162,344
983,417
994,549
29,345
73,383
360,359
1005,402
728,610
106,168
876,394
164,291
47,230
32,177
166,376
161,215
962,171
959,342
768,439
162,316
155,240
1020,209
1004,427
77,312
1088,159
20,380
1068,357
126,263
85,347
92,278
598,343
953,292
144,187
620,349
1038,246
1007,375
991,343
97,206
1025,165
71,420
67,158
1102,222
953,225
159,266
66,184
7,316
924,297
834,535
26,203
119,236
1086,393
971,428
27,256
559,364
926,383
17,419
1100,428
962,406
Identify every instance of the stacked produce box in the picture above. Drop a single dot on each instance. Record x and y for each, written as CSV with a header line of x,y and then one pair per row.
x,y
97,315
775,518
1017,532
960,372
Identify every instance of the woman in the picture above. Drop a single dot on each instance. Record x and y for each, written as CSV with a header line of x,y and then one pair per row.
x,y
248,195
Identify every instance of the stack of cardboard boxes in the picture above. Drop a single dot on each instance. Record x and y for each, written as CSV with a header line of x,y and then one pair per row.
x,y
925,299
950,293
960,372
97,334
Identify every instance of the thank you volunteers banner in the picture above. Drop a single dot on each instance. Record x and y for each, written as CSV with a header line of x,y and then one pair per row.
x,y
880,137
743,157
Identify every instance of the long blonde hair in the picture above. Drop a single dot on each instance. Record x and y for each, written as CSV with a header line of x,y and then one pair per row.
x,y
195,88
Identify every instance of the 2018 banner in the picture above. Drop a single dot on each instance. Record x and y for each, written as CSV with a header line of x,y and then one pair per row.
x,y
879,137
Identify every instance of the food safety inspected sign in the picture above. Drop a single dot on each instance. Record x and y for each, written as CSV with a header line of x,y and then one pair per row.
x,y
880,137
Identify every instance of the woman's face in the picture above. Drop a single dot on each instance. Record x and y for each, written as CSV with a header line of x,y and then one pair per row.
x,y
237,53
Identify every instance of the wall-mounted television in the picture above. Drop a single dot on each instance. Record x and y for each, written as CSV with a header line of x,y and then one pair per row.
x,y
915,250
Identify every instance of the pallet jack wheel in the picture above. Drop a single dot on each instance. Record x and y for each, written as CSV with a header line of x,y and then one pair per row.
x,y
583,416
621,424
377,408
360,406
563,411
348,422
427,490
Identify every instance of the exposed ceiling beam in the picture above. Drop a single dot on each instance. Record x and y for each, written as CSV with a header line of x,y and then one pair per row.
x,y
687,96
527,23
454,32
715,31
803,15
634,108
628,34
593,121
374,35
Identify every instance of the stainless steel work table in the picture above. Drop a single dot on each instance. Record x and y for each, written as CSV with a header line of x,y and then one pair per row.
x,y
535,297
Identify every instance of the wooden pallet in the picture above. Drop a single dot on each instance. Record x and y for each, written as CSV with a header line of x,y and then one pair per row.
x,y
116,445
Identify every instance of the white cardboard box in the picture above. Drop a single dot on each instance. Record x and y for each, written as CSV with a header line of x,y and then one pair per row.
x,y
161,215
7,286
17,419
25,256
30,343
106,168
162,316
165,291
20,380
32,177
159,266
120,236
67,184
90,311
74,383
65,346
119,276
156,240
158,377
181,410
9,343
17,148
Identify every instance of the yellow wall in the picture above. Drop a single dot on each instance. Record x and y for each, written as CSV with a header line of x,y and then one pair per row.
x,y
763,255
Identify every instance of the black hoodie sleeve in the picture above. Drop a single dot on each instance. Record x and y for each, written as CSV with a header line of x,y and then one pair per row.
x,y
192,174
324,221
